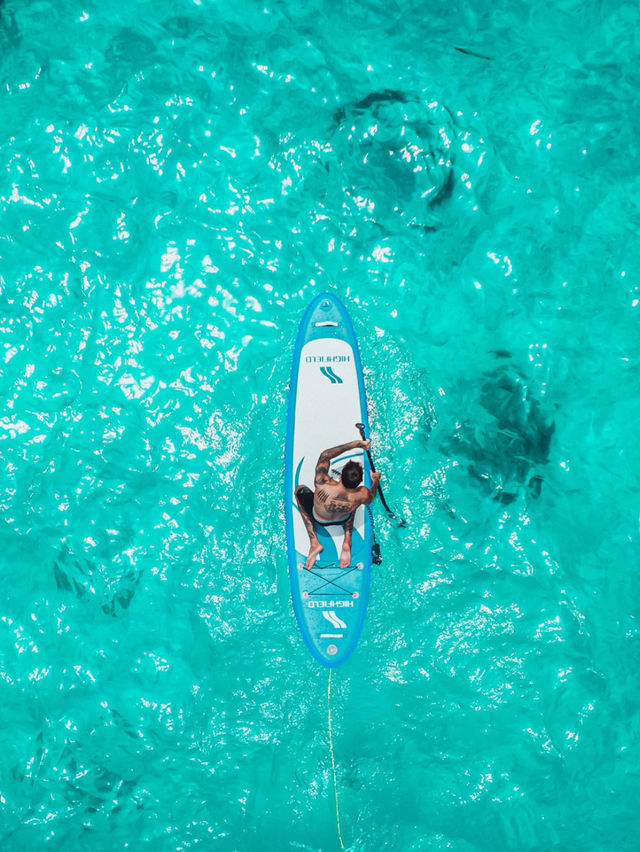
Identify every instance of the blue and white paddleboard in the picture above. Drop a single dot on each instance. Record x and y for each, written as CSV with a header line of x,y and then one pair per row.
x,y
326,400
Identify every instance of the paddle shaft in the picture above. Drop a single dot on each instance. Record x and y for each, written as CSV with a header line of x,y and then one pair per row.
x,y
360,428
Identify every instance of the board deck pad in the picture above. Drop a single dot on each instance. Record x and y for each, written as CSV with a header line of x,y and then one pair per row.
x,y
326,400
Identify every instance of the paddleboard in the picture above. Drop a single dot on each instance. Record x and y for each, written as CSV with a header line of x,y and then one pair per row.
x,y
326,400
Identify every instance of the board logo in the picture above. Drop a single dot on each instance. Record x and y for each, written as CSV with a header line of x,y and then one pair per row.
x,y
333,377
333,619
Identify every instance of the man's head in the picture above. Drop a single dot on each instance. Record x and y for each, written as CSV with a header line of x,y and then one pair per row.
x,y
351,475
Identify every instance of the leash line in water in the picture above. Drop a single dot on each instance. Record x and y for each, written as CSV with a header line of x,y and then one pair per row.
x,y
333,761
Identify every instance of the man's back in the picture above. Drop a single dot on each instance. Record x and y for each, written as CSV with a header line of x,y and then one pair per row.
x,y
332,500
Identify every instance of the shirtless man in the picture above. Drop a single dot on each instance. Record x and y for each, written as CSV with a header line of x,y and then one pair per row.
x,y
335,502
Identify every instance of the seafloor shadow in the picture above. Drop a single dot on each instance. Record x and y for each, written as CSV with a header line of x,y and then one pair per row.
x,y
397,155
507,445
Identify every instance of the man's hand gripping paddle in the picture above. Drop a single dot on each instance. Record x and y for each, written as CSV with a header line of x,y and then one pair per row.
x,y
394,517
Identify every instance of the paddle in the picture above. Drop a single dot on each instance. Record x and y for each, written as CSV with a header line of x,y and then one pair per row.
x,y
394,517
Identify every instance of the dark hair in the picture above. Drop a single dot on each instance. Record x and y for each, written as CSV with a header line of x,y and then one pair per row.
x,y
351,474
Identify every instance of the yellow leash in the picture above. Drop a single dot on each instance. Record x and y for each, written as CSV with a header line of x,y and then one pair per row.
x,y
333,762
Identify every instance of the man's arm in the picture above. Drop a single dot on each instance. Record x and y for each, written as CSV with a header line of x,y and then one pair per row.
x,y
324,461
375,479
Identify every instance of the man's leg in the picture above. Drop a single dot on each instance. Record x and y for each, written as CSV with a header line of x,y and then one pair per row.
x,y
345,556
315,547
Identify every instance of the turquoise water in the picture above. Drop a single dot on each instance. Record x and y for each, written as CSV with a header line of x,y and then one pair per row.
x,y
178,180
